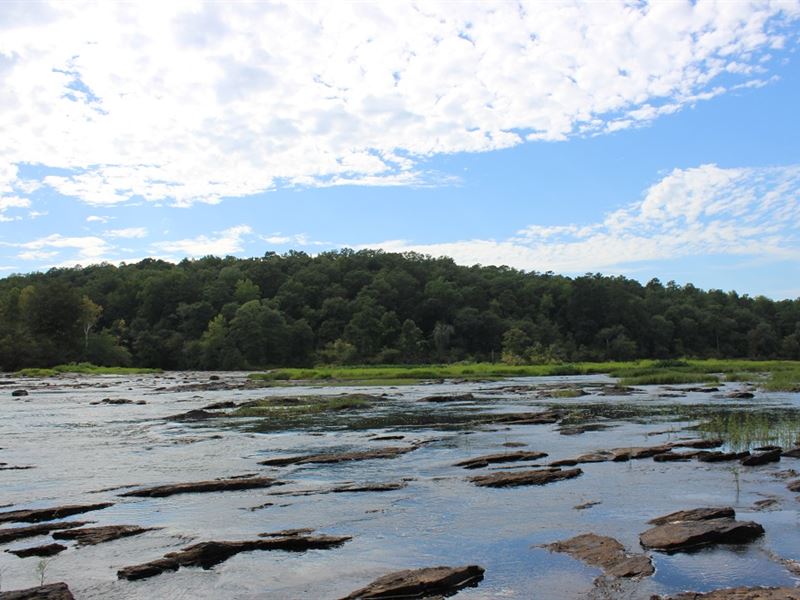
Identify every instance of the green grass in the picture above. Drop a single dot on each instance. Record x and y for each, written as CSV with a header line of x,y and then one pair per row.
x,y
84,369
668,377
783,381
283,407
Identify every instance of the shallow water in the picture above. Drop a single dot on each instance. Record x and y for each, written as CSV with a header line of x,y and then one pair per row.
x,y
440,517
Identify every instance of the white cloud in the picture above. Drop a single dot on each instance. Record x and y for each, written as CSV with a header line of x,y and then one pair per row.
x,y
85,250
196,101
127,233
98,219
700,211
223,243
299,239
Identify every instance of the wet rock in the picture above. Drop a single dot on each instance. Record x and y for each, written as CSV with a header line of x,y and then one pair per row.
x,y
19,393
288,532
20,533
45,550
452,398
348,488
637,452
684,530
765,503
534,477
579,429
593,457
793,453
51,591
674,456
7,467
386,438
36,515
794,486
420,583
220,405
698,444
326,458
740,395
586,505
115,401
195,487
514,444
194,415
606,553
89,536
541,418
482,461
208,554
740,593
695,514
713,457
762,458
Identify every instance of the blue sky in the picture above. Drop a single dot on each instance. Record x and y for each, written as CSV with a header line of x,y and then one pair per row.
x,y
645,140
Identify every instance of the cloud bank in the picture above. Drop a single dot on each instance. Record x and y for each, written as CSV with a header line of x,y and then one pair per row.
x,y
184,102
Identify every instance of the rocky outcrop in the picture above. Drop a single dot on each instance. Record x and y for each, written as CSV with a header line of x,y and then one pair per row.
x,y
196,487
482,461
36,515
684,530
534,477
90,536
740,593
51,591
327,458
208,554
420,583
605,553
20,533
45,550
762,458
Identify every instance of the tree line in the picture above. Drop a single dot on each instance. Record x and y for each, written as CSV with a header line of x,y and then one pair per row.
x,y
348,307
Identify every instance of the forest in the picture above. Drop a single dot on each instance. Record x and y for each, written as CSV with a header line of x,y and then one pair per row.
x,y
370,307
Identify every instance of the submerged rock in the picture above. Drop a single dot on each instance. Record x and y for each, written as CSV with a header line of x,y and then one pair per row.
x,y
579,429
689,529
740,593
90,536
420,583
116,401
194,415
45,550
19,393
481,461
51,591
20,533
792,453
220,405
35,515
606,553
195,487
712,457
208,554
541,418
325,458
535,477
452,398
347,488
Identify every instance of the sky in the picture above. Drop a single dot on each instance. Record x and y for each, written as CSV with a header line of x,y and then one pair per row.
x,y
626,138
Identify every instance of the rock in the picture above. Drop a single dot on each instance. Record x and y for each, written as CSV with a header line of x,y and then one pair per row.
x,y
386,438
606,553
674,456
51,591
214,378
453,398
793,453
114,401
19,533
740,593
535,477
7,467
420,583
579,429
794,486
697,444
712,457
514,444
592,457
762,458
689,529
195,487
348,488
46,550
288,532
208,554
194,415
765,503
586,505
541,418
482,461
695,514
325,458
89,536
36,515
19,393
219,405
637,452
740,395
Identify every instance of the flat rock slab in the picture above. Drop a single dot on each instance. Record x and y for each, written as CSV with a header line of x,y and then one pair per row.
x,y
46,550
792,453
208,554
20,533
196,487
762,458
686,535
695,514
37,515
325,458
347,488
89,536
535,477
740,593
482,461
453,398
420,583
541,418
606,553
52,591
712,457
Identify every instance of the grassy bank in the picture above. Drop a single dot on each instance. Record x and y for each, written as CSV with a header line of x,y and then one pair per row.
x,y
773,375
84,369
